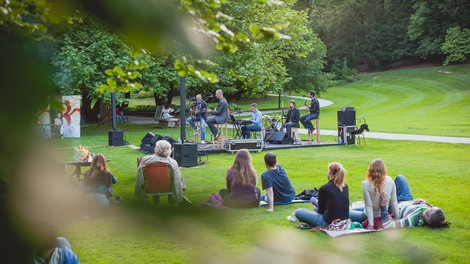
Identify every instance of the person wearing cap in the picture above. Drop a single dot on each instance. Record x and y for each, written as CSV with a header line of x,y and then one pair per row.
x,y
256,122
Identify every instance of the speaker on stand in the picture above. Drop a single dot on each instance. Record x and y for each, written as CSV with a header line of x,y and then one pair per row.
x,y
347,116
346,125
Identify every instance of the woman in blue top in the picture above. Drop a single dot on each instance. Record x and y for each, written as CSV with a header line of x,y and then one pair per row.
x,y
333,200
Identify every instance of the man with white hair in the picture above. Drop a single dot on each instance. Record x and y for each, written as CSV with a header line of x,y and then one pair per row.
x,y
162,155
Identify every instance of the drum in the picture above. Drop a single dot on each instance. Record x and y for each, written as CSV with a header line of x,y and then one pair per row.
x,y
277,126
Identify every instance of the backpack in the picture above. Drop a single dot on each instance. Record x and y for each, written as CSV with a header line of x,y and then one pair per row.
x,y
307,194
215,201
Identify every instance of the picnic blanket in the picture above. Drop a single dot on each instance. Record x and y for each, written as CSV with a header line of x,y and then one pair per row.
x,y
337,233
263,203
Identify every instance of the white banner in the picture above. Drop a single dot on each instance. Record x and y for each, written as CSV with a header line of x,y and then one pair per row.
x,y
71,115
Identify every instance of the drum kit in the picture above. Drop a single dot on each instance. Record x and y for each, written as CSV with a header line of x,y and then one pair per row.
x,y
272,124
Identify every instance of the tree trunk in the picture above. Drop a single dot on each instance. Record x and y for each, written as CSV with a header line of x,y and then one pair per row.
x,y
89,112
170,93
106,116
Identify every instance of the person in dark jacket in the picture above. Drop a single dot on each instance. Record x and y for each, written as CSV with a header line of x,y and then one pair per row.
x,y
333,200
98,180
292,120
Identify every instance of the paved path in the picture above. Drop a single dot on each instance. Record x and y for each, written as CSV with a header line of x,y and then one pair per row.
x,y
324,103
379,135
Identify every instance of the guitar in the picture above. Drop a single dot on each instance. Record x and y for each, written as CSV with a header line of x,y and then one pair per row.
x,y
307,105
195,111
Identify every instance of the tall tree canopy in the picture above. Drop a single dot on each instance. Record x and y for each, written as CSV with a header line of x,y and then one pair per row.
x,y
261,68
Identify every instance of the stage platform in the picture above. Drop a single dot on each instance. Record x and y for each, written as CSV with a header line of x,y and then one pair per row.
x,y
209,148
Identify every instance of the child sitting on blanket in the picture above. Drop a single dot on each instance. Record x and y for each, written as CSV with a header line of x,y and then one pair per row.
x,y
276,183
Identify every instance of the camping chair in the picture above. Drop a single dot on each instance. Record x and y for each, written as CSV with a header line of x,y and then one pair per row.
x,y
360,131
158,181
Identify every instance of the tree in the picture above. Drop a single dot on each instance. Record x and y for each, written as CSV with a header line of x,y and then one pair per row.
x,y
368,32
430,21
260,68
457,45
86,52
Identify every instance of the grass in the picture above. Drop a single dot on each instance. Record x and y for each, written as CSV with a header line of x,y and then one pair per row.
x,y
437,172
425,101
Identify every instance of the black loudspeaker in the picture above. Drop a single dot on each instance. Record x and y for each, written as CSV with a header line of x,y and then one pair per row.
x,y
186,154
147,138
171,140
154,140
115,138
347,116
147,148
278,138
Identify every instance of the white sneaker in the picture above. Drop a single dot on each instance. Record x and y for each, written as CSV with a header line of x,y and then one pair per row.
x,y
292,218
196,131
203,142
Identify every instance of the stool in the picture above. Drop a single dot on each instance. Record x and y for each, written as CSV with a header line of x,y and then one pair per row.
x,y
197,137
294,134
258,134
223,130
317,130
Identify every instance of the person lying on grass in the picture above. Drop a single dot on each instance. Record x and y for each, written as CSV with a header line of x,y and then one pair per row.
x,y
412,212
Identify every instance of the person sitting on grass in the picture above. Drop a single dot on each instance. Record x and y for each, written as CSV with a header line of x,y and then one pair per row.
x,y
99,181
413,212
276,183
376,183
241,180
48,248
333,200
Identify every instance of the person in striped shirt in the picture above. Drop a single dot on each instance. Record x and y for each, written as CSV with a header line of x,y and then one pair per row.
x,y
412,212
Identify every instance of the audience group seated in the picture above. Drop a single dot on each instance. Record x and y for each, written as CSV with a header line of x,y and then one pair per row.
x,y
388,203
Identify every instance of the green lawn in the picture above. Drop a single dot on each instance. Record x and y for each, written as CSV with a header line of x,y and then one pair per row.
x,y
420,101
427,101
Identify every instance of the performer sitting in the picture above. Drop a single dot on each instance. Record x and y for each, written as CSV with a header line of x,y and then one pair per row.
x,y
314,109
255,119
219,115
199,114
292,120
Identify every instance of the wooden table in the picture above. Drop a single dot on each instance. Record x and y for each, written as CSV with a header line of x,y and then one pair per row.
x,y
78,167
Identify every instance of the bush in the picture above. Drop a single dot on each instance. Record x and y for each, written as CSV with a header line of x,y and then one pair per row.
x,y
143,94
457,45
342,71
142,108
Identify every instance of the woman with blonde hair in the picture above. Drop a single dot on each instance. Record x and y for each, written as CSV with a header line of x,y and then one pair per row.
x,y
376,184
333,200
99,180
241,181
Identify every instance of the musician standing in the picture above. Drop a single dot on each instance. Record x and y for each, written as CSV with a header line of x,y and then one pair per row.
x,y
256,122
314,113
199,114
292,119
